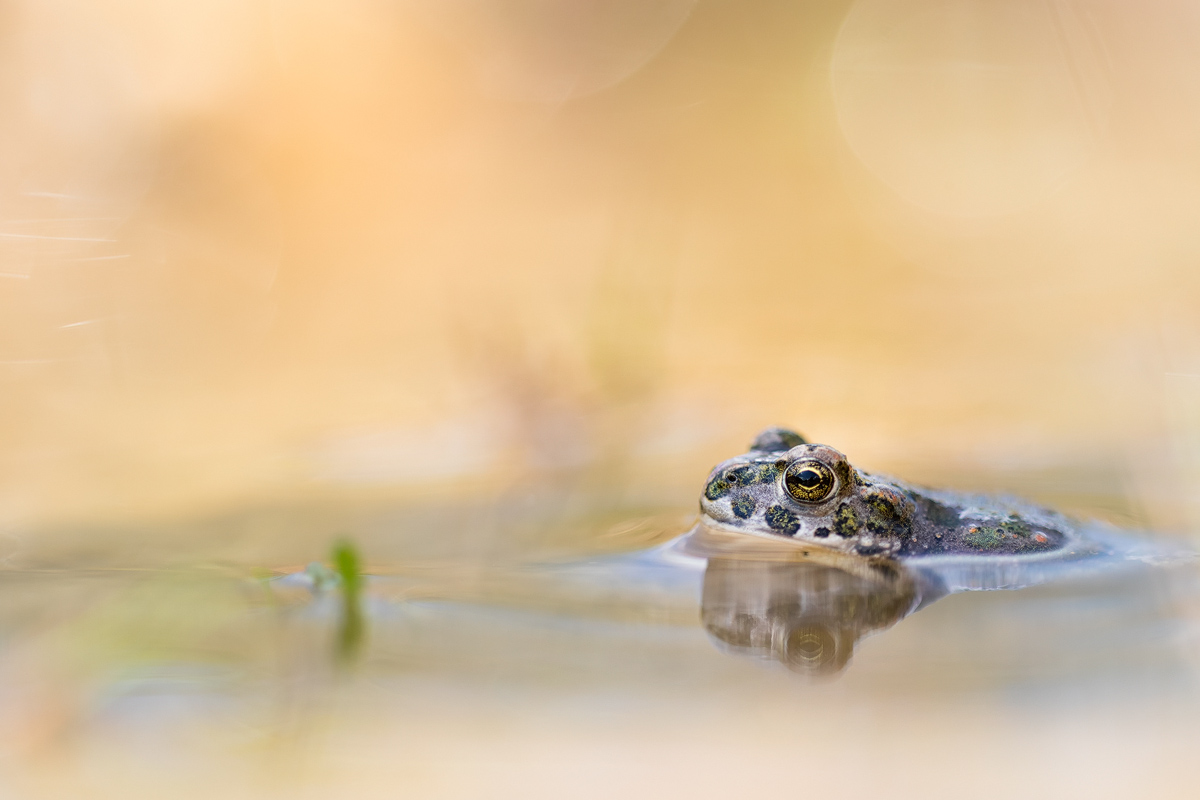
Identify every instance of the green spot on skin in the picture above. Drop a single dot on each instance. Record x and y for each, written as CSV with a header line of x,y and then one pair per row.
x,y
716,489
743,507
882,506
1013,534
890,513
1015,526
984,537
780,519
352,627
845,522
886,519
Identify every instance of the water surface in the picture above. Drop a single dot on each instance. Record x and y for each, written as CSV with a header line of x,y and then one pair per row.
x,y
589,673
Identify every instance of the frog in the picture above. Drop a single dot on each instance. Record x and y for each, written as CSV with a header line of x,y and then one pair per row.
x,y
788,488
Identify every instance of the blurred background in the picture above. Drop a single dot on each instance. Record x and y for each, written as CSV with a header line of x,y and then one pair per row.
x,y
256,251
474,279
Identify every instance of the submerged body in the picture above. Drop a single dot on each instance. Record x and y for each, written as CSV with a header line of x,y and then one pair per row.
x,y
787,488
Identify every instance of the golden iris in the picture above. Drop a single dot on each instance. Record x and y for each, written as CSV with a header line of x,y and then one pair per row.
x,y
809,481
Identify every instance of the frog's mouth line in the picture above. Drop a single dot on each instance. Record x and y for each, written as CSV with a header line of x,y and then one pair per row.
x,y
762,538
709,539
757,526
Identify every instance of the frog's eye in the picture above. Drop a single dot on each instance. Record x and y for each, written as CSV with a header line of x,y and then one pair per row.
x,y
809,481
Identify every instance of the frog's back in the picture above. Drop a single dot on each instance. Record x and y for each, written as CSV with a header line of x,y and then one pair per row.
x,y
956,523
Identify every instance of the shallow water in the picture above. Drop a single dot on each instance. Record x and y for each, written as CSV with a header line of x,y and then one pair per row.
x,y
643,673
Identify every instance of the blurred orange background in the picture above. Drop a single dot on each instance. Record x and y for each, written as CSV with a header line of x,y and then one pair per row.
x,y
256,251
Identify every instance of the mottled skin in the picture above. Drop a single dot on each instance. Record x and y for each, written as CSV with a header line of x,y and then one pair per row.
x,y
785,487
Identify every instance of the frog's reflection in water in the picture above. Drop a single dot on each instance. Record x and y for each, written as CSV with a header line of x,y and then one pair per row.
x,y
805,614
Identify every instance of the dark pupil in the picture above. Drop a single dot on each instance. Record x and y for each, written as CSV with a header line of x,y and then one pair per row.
x,y
808,478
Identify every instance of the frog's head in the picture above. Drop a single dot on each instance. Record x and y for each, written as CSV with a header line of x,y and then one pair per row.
x,y
785,487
